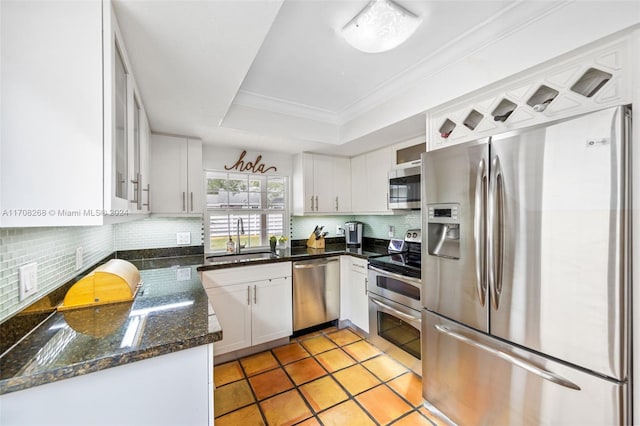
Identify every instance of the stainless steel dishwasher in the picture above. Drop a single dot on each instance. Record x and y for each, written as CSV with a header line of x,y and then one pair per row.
x,y
316,292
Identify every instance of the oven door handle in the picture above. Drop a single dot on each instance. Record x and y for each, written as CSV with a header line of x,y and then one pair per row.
x,y
397,276
411,318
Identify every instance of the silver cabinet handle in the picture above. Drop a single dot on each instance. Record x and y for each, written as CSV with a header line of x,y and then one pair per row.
x,y
316,203
513,359
248,295
359,266
480,231
366,286
336,203
255,295
411,318
191,201
184,201
496,231
312,203
396,276
148,205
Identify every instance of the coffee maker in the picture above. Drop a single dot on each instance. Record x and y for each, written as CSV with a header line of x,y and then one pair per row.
x,y
353,234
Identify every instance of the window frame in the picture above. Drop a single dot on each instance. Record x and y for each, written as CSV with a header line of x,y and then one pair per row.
x,y
232,212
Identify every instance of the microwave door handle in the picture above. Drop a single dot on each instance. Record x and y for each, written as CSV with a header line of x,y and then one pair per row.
x,y
480,231
496,232
511,358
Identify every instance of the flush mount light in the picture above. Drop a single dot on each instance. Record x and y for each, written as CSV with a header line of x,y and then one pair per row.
x,y
382,25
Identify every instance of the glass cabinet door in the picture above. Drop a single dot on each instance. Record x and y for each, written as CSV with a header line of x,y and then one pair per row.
x,y
120,127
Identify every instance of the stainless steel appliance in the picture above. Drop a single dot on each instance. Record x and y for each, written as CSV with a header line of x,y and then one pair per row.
x,y
353,234
394,289
316,292
525,288
404,188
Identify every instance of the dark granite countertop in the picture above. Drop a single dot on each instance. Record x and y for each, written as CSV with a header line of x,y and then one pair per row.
x,y
294,254
171,312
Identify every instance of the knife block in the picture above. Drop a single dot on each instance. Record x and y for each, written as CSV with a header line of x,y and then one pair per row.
x,y
313,243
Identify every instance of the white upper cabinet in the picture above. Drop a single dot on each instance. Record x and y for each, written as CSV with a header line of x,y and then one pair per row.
x,y
321,184
67,120
177,180
370,181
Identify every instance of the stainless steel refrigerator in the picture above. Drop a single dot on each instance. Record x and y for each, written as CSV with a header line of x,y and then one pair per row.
x,y
525,275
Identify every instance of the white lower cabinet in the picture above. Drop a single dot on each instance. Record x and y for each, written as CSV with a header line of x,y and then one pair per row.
x,y
252,303
358,294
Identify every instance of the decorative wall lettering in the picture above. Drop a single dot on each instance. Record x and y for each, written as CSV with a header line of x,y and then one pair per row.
x,y
254,167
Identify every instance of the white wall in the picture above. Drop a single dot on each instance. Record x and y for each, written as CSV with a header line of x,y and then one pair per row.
x,y
217,157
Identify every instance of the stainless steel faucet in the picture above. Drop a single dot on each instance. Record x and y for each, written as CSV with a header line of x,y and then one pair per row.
x,y
239,231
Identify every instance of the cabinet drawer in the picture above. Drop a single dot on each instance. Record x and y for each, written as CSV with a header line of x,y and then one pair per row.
x,y
359,265
245,274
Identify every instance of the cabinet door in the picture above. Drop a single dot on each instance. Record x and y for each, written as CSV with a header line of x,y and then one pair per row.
x,y
195,177
145,178
232,305
324,195
378,166
168,174
359,184
359,300
341,184
272,315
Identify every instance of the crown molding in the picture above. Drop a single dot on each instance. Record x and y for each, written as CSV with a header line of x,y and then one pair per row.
x,y
282,106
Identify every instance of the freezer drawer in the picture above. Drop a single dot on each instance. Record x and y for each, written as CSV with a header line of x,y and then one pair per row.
x,y
475,379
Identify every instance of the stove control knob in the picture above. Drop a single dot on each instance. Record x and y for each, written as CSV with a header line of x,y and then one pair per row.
x,y
415,234
408,234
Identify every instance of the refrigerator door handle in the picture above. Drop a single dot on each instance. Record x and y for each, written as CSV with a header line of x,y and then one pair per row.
x,y
480,231
513,359
496,231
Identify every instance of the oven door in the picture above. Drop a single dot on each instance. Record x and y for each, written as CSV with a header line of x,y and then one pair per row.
x,y
397,287
395,329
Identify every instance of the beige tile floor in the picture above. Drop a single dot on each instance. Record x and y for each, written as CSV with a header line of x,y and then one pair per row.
x,y
331,377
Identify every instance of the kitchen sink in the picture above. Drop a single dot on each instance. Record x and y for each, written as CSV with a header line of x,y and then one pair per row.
x,y
241,257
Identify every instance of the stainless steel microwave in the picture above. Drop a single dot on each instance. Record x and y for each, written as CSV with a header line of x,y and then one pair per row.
x,y
404,188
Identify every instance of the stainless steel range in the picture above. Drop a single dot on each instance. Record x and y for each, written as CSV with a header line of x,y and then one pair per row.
x,y
394,287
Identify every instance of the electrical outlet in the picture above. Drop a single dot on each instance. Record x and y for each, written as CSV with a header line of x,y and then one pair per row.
x,y
183,274
183,238
28,280
392,230
339,230
79,257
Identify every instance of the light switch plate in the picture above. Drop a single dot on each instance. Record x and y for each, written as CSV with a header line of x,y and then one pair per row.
x,y
183,238
392,230
28,280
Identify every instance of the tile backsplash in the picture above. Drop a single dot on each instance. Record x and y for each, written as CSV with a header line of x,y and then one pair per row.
x,y
374,226
54,249
157,232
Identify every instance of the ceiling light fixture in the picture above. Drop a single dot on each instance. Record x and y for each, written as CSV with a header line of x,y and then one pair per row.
x,y
382,25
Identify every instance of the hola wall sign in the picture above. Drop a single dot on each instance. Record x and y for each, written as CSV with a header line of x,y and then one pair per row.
x,y
253,166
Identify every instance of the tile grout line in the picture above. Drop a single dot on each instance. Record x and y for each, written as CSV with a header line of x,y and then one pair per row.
x,y
315,415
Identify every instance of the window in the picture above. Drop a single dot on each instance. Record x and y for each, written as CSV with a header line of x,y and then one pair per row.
x,y
259,200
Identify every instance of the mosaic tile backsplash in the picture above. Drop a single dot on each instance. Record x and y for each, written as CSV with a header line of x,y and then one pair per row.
x,y
157,232
374,226
54,249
